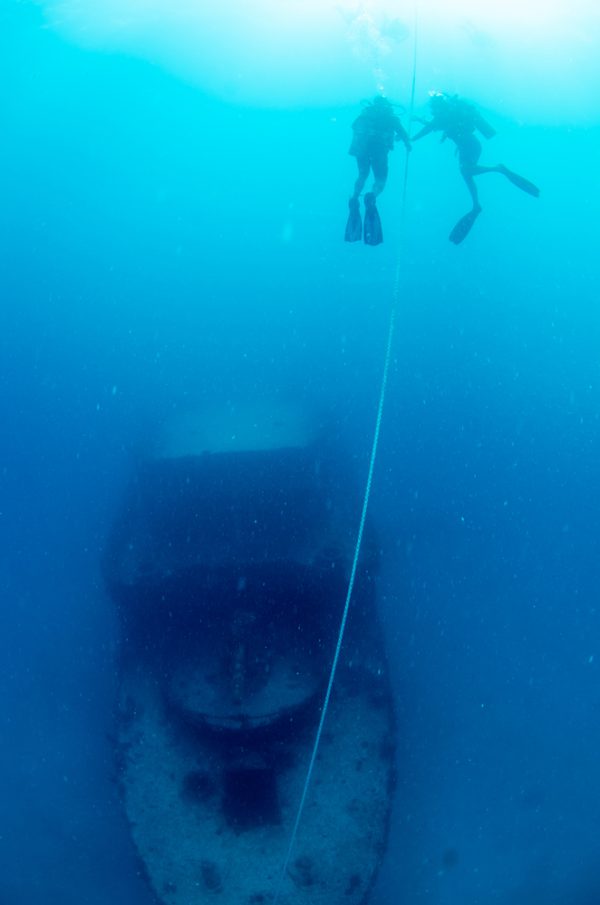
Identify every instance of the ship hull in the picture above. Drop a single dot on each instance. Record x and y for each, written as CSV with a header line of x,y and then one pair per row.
x,y
199,844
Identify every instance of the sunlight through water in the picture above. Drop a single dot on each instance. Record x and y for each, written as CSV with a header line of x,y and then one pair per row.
x,y
287,53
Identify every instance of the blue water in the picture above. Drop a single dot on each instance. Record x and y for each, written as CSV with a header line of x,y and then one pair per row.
x,y
161,250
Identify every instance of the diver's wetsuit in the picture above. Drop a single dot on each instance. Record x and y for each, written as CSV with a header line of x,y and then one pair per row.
x,y
375,131
458,121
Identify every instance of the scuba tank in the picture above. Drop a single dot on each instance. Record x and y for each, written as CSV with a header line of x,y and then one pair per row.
x,y
483,126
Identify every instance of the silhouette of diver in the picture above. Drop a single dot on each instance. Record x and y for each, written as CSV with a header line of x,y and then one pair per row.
x,y
375,131
458,120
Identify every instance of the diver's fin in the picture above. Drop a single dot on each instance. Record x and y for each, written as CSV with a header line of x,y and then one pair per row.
x,y
354,225
521,183
373,231
462,229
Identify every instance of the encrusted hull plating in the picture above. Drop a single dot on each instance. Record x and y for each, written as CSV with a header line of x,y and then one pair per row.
x,y
193,840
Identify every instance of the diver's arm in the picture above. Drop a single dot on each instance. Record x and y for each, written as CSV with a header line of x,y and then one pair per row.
x,y
402,135
427,128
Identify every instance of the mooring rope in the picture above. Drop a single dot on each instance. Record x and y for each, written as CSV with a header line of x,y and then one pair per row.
x,y
367,494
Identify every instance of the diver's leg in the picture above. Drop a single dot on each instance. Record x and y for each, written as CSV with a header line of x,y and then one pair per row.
x,y
521,183
462,227
379,162
481,171
364,167
469,151
467,175
373,233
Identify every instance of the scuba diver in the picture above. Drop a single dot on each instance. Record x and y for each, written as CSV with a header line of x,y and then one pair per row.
x,y
375,131
458,120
